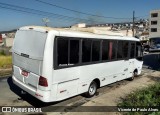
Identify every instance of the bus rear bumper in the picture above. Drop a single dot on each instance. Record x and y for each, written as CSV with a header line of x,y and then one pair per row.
x,y
43,96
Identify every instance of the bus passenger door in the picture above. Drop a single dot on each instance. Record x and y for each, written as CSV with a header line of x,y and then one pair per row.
x,y
126,63
130,68
132,52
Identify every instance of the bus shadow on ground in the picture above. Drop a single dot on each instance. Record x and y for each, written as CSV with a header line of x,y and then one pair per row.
x,y
27,97
152,61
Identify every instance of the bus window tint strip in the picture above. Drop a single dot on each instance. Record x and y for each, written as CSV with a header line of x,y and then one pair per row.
x,y
96,50
132,50
74,52
105,50
86,50
112,50
125,49
120,50
62,52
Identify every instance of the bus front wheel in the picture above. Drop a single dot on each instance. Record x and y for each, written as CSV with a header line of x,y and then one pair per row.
x,y
91,90
134,75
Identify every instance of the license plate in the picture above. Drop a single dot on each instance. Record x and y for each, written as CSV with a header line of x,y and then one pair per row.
x,y
24,73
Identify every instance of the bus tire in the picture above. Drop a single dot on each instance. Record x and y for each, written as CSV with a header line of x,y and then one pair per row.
x,y
133,76
91,90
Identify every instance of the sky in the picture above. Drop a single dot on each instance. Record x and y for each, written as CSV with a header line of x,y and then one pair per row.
x,y
122,10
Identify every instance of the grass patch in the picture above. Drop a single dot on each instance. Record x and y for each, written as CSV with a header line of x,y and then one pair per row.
x,y
147,97
5,62
2,52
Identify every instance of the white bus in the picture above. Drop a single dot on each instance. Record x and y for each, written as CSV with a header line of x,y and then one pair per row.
x,y
53,65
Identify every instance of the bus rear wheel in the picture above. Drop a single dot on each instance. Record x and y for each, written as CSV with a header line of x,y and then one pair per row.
x,y
91,90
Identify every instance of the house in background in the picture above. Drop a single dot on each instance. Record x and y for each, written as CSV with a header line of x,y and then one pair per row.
x,y
6,39
80,25
6,43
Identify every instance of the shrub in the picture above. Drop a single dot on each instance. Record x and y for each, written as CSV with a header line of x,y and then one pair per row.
x,y
147,97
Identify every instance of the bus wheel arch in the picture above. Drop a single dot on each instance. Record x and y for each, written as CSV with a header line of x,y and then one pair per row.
x,y
92,90
97,82
135,73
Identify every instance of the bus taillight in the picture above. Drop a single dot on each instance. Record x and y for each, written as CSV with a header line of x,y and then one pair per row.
x,y
43,81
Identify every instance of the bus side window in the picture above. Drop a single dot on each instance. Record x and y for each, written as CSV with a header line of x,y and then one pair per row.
x,y
86,50
105,50
120,50
132,49
67,51
125,49
62,51
74,52
139,52
112,50
95,50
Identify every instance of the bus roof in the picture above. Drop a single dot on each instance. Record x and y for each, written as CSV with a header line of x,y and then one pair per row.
x,y
67,32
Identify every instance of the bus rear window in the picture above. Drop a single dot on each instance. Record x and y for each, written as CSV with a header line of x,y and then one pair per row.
x,y
31,43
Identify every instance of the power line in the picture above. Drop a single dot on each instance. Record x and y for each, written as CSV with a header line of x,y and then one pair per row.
x,y
25,11
33,10
142,16
39,12
47,3
48,14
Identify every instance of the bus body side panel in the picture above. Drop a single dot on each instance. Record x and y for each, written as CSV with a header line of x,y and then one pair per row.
x,y
76,80
107,72
67,82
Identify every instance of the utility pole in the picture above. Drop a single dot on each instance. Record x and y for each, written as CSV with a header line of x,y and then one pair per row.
x,y
133,23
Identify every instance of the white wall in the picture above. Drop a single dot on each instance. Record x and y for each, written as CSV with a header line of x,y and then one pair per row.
x,y
154,34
